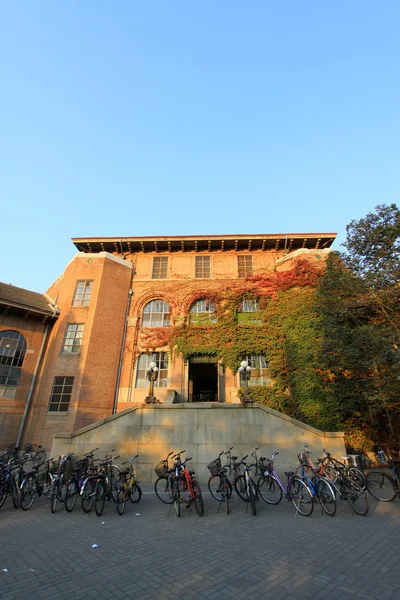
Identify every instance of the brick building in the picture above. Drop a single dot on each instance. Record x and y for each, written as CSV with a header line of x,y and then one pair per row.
x,y
79,352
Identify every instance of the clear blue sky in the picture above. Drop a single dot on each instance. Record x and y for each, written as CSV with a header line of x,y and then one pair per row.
x,y
173,117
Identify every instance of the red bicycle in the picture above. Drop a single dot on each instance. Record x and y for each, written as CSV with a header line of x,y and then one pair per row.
x,y
189,488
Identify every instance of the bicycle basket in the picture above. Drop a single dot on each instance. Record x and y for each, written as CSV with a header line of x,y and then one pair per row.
x,y
162,468
215,466
302,458
395,465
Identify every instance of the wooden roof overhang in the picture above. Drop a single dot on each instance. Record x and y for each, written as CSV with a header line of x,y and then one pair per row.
x,y
206,243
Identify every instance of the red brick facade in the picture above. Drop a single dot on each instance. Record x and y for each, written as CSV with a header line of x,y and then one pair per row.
x,y
122,277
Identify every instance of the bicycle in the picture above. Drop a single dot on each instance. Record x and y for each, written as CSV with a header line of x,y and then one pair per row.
x,y
215,483
34,484
332,466
245,487
272,489
35,454
83,468
349,490
384,487
130,490
107,488
163,485
9,484
319,487
59,484
184,481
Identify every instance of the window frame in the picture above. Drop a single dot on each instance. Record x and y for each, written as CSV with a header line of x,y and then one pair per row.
x,y
245,270
161,272
85,298
202,317
259,375
64,348
162,361
164,319
248,314
13,359
202,267
62,394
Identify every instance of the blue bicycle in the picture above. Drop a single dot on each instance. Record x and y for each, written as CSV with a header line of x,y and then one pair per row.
x,y
319,487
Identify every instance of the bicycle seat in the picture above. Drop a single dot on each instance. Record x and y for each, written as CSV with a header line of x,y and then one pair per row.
x,y
344,457
289,473
222,471
234,457
191,472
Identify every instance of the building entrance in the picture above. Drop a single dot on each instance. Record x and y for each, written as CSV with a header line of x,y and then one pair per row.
x,y
203,379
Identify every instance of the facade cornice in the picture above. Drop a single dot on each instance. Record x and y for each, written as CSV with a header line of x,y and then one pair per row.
x,y
278,242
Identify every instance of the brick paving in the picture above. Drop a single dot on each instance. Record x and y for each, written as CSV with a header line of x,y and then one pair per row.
x,y
152,555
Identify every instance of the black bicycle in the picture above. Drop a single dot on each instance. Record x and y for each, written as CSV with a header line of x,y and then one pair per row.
x,y
382,486
59,485
35,483
219,485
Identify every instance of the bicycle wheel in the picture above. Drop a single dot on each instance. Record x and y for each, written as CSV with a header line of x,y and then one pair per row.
x,y
99,497
357,498
3,494
380,486
176,499
87,497
301,497
252,496
54,495
40,457
356,476
326,497
330,472
121,502
269,489
28,492
163,490
241,487
214,487
71,495
135,493
15,493
198,501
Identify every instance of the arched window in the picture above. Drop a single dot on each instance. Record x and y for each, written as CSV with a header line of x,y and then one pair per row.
x,y
202,312
12,354
156,314
250,312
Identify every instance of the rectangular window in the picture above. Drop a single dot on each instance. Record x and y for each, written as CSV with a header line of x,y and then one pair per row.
x,y
61,394
160,267
245,266
73,337
161,360
259,370
202,267
83,291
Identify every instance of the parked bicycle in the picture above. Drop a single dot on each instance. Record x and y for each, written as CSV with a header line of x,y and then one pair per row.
x,y
245,487
163,485
59,485
218,484
9,483
131,490
319,487
107,488
333,466
36,483
381,485
272,489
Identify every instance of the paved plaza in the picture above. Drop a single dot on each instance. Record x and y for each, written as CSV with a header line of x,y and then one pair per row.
x,y
148,553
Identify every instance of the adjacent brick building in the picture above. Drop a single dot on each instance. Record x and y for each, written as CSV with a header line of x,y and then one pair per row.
x,y
87,343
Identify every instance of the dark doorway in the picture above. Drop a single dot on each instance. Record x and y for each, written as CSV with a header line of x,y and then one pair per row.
x,y
203,380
